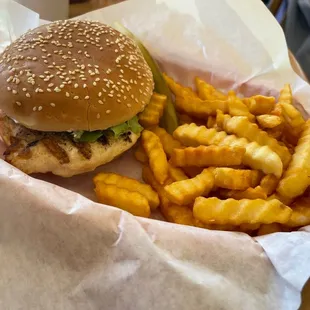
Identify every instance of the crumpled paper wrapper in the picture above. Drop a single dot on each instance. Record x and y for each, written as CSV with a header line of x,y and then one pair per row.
x,y
61,250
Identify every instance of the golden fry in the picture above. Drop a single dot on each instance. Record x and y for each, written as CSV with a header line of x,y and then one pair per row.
x,y
237,212
132,202
205,156
291,115
172,212
157,157
179,90
236,107
296,178
243,128
266,229
184,192
257,157
149,178
286,95
152,113
269,183
301,213
196,107
260,104
250,193
176,174
129,184
267,121
179,215
235,179
168,142
207,91
284,200
140,155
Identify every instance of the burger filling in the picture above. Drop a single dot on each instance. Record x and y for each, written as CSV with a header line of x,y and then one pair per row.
x,y
21,140
116,131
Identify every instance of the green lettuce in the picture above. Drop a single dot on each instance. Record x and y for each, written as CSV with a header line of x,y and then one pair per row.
x,y
114,131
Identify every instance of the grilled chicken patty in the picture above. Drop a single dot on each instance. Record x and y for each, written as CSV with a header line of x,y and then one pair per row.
x,y
39,152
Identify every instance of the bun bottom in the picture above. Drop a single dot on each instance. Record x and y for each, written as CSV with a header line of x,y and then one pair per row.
x,y
42,161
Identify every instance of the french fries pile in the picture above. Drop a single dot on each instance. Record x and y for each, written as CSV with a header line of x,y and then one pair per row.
x,y
235,164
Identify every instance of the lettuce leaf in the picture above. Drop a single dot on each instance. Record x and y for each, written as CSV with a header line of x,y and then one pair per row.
x,y
114,131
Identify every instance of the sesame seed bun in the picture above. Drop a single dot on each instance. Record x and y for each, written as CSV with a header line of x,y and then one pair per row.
x,y
73,75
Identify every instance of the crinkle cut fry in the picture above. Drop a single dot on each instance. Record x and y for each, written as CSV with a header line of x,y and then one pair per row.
x,y
260,104
168,142
257,157
172,212
235,179
237,212
301,213
157,157
179,90
152,113
243,128
196,107
207,91
205,156
130,184
184,192
236,107
269,183
140,155
176,174
296,178
268,121
132,202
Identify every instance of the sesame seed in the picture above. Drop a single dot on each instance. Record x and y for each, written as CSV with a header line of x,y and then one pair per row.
x,y
67,94
94,83
50,85
18,103
9,88
97,79
108,111
98,115
86,97
76,85
76,97
52,105
99,94
40,108
62,85
28,95
14,91
110,95
10,79
57,89
100,101
49,90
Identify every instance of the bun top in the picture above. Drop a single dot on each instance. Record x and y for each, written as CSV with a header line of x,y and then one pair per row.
x,y
73,75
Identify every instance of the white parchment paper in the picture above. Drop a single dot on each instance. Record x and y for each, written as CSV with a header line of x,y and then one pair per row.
x,y
61,250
